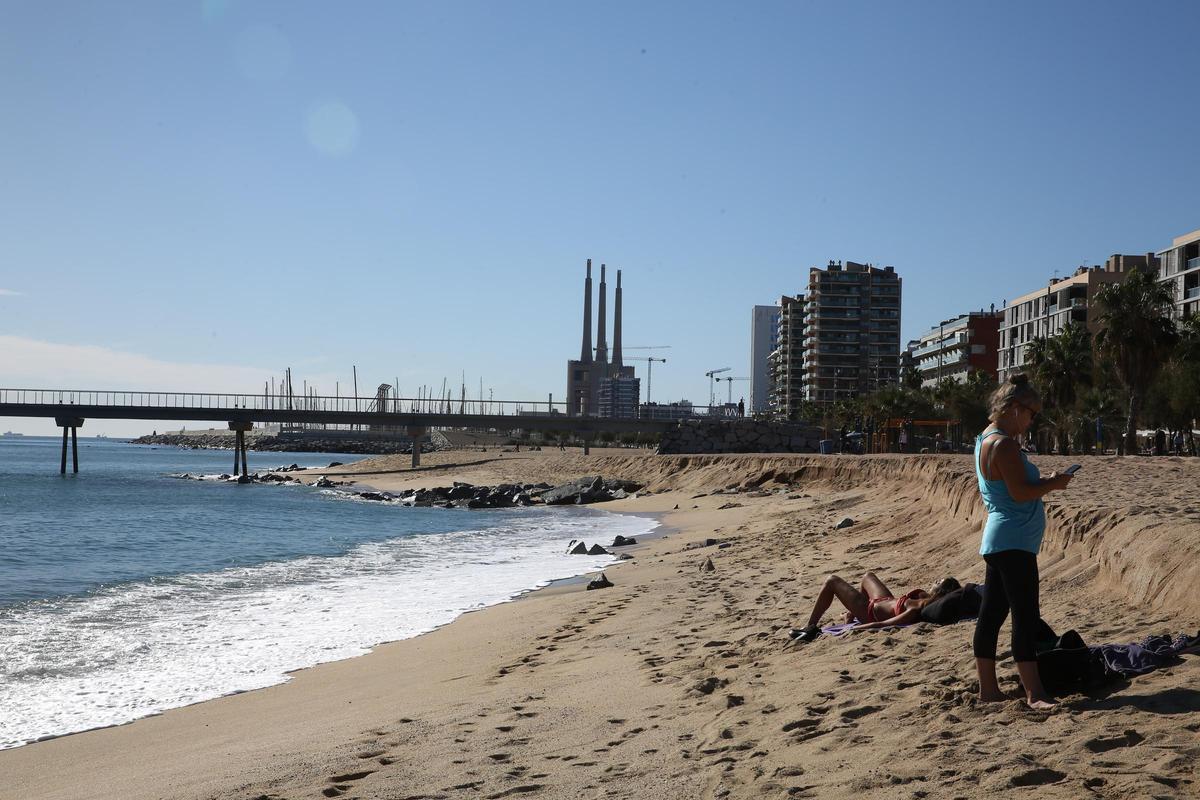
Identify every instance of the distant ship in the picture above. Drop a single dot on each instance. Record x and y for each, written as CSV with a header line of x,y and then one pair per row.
x,y
11,435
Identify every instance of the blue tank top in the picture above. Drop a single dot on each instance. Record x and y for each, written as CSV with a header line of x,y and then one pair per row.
x,y
1010,525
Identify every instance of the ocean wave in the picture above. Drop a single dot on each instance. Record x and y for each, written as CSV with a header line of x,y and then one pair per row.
x,y
124,651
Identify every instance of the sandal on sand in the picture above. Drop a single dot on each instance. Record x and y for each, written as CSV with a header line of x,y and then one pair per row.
x,y
805,634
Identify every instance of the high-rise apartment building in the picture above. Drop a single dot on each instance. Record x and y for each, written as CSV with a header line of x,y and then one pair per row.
x,y
1047,311
786,362
764,336
851,331
1179,266
957,347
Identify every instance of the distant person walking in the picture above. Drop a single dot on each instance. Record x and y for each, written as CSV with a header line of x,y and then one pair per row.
x,y
741,406
1012,491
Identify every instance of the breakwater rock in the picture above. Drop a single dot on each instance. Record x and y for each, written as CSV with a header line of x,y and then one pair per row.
x,y
508,495
740,436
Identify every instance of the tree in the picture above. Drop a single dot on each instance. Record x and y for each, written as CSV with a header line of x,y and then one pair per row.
x,y
1136,335
1174,401
1061,367
1099,404
966,401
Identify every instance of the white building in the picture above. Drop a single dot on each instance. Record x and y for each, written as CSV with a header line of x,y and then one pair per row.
x,y
764,337
1045,312
1179,266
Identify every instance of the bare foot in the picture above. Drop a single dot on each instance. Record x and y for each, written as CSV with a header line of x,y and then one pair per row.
x,y
1041,703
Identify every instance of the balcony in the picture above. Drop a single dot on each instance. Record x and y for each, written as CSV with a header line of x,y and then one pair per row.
x,y
1193,292
1193,263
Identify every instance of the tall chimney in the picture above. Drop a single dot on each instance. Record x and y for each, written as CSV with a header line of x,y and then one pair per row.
x,y
602,323
585,355
616,355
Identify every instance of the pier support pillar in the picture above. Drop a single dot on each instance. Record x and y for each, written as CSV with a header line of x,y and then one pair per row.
x,y
239,444
73,423
415,432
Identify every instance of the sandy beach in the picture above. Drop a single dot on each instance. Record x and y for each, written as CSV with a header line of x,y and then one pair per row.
x,y
683,683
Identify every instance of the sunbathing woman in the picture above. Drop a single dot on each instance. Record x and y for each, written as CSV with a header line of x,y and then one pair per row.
x,y
872,604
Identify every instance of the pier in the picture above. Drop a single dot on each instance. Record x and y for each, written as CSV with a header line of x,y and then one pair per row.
x,y
415,416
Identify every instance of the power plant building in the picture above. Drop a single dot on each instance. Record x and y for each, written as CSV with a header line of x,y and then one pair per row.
x,y
596,385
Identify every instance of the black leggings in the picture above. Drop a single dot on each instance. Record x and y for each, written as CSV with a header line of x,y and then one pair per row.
x,y
1011,582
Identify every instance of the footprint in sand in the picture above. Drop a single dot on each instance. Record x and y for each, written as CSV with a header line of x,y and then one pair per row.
x,y
855,713
1037,777
516,790
1102,744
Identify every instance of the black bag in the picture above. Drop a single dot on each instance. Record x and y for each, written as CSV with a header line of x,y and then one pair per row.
x,y
1066,666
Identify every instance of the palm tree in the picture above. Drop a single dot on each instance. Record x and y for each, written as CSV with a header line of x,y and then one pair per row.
x,y
1099,405
1136,335
1062,367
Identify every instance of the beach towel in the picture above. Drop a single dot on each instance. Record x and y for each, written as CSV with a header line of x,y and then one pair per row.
x,y
1118,661
845,627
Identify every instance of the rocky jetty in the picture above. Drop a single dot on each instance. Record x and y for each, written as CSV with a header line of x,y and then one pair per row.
x,y
508,495
740,436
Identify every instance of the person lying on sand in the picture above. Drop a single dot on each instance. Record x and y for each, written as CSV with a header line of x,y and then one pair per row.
x,y
872,604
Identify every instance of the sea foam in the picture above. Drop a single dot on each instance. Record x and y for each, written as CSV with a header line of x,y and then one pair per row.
x,y
130,650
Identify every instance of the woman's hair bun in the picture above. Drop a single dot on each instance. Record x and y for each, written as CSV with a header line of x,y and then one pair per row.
x,y
1020,379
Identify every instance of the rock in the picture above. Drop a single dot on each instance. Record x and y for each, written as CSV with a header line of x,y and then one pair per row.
x,y
461,491
625,556
601,582
708,565
597,550
578,550
323,483
575,492
676,508
729,505
334,464
244,479
844,522
378,497
623,541
705,543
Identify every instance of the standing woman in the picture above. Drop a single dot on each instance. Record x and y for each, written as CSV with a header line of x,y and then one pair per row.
x,y
1012,490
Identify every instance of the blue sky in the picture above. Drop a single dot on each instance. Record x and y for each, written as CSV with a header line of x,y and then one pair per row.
x,y
197,195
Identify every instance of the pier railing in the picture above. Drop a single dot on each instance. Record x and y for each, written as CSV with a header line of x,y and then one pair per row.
x,y
275,402
197,401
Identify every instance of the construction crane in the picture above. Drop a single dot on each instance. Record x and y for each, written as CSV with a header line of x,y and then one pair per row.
x,y
709,375
649,367
640,347
729,385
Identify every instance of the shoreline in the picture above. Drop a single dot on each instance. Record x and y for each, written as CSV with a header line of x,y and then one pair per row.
x,y
682,683
567,575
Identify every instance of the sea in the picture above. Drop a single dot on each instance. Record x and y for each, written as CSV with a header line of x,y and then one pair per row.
x,y
126,590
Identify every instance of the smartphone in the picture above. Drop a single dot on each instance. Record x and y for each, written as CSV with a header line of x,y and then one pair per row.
x,y
1071,470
